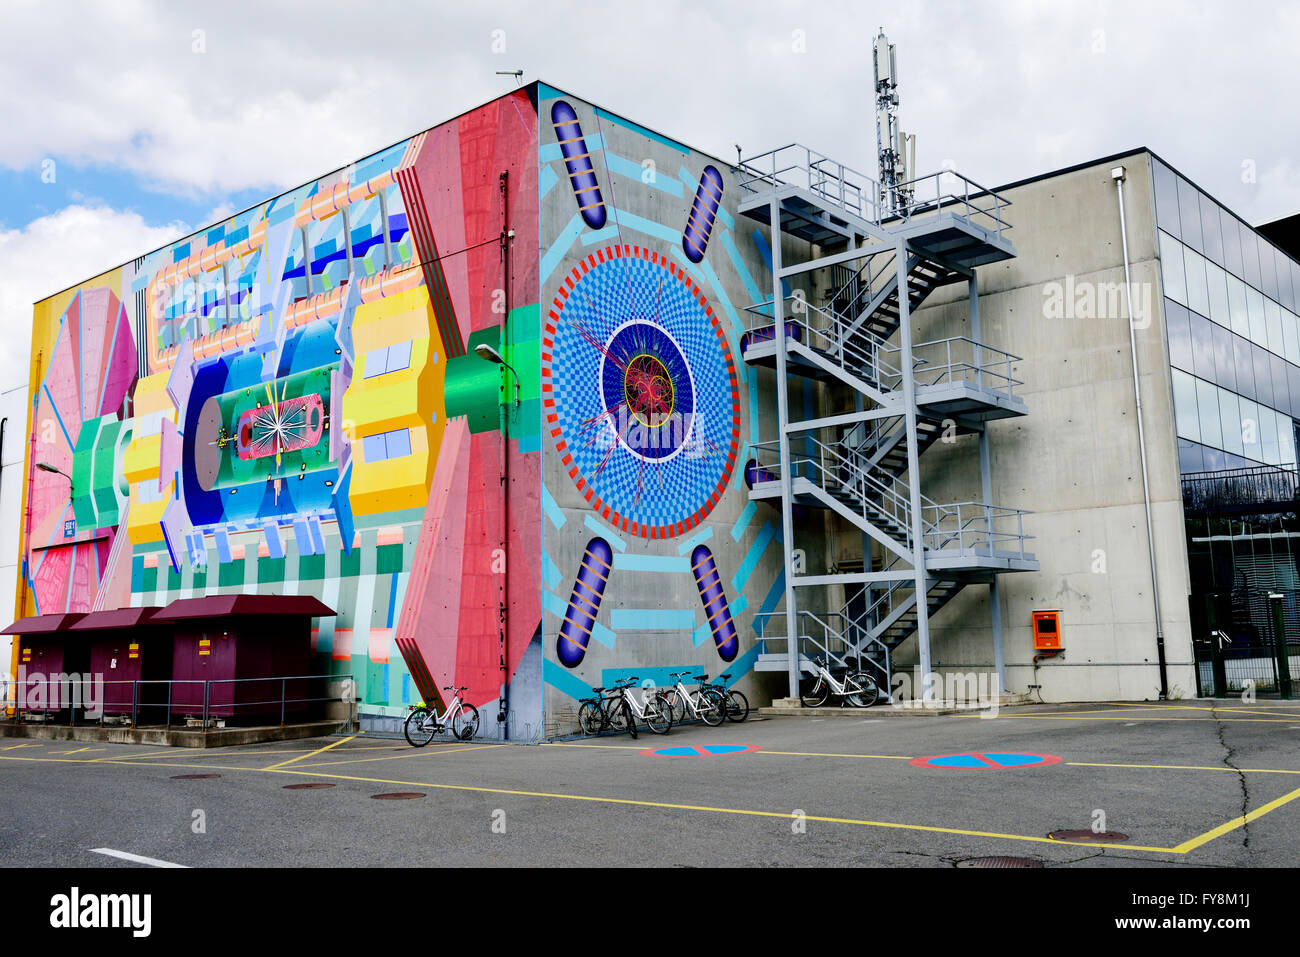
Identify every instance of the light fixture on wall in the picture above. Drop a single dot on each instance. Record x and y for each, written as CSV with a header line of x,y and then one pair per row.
x,y
485,351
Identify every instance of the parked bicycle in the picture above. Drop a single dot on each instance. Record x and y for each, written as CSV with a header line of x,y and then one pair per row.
x,y
620,710
857,688
706,703
424,723
737,703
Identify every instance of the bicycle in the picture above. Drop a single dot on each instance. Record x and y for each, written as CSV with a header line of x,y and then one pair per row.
x,y
598,714
707,703
423,723
737,703
858,689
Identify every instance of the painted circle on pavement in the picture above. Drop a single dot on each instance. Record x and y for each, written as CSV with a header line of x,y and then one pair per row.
x,y
986,760
700,750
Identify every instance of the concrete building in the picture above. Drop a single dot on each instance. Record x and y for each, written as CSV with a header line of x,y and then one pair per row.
x,y
508,398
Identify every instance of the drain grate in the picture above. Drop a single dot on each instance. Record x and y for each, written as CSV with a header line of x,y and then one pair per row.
x,y
193,777
1089,837
397,795
309,786
999,862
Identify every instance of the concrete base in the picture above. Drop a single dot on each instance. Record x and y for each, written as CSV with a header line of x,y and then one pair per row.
x,y
173,737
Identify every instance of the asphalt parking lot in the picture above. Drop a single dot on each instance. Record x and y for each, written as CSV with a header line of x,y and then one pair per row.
x,y
1184,783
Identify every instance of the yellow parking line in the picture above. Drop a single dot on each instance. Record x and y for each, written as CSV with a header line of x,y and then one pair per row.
x,y
1236,822
1183,767
783,815
1210,708
15,747
411,753
76,750
332,744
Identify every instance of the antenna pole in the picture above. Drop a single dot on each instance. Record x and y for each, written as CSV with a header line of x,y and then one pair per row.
x,y
890,143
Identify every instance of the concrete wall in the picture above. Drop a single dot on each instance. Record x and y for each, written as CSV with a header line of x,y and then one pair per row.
x,y
1074,459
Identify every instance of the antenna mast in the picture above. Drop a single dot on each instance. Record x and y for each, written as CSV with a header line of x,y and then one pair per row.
x,y
892,145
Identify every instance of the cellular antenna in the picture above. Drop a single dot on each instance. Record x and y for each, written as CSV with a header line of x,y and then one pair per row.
x,y
892,145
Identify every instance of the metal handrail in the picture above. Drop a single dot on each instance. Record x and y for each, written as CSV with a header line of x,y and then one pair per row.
x,y
861,347
829,634
797,165
965,198
949,368
973,525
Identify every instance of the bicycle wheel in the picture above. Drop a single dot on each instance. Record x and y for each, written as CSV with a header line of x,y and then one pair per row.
x,y
629,719
713,707
869,693
816,693
589,718
737,706
420,727
676,706
464,724
659,715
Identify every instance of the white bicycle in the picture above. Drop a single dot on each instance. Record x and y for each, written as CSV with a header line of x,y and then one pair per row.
x,y
423,723
858,689
706,703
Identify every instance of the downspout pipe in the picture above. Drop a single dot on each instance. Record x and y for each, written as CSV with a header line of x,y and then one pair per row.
x,y
1119,175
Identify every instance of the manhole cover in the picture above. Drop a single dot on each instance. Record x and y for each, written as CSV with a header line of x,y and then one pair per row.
x,y
309,786
1089,837
193,777
397,795
1000,862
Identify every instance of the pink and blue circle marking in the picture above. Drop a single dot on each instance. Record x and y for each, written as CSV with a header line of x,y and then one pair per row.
x,y
986,760
700,751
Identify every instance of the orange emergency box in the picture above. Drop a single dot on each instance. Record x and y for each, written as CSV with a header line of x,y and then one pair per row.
x,y
1047,630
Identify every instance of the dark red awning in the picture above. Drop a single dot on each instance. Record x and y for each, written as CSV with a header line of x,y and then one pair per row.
x,y
43,624
119,618
220,606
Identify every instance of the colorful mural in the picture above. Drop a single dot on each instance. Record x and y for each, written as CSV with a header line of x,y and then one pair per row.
x,y
305,400
288,402
655,559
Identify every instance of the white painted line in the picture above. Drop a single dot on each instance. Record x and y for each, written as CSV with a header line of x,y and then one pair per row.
x,y
138,859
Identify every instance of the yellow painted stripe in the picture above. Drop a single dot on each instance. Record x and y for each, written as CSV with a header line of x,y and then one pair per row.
x,y
1183,767
745,812
327,747
411,753
1235,823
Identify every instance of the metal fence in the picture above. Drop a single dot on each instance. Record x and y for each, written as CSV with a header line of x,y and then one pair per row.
x,y
85,699
1238,649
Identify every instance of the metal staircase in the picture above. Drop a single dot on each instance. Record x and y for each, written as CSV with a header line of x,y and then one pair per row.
x,y
862,463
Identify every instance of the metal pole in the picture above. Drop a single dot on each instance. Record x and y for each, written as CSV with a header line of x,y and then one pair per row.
x,y
914,473
783,445
986,492
1280,646
135,703
1118,174
207,686
283,682
167,721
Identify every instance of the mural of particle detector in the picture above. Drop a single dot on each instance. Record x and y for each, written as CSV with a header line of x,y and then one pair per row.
x,y
640,393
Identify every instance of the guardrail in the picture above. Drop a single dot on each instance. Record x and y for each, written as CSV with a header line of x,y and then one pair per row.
x,y
818,634
66,693
961,359
797,165
947,191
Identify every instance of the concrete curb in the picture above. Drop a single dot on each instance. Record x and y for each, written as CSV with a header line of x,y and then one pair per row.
x,y
174,737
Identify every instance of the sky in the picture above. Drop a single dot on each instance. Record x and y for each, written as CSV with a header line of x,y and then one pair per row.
x,y
126,125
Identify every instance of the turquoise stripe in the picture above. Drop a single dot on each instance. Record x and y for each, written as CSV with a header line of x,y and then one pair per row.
x,y
765,251
563,241
652,619
651,563
565,682
742,523
637,128
625,167
550,572
699,539
774,596
742,666
551,509
545,180
752,557
603,634
701,634
550,152
751,287
554,604
600,236
605,532
642,225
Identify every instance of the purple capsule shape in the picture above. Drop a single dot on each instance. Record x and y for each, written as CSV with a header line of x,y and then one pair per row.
x,y
709,581
768,333
584,603
704,211
582,175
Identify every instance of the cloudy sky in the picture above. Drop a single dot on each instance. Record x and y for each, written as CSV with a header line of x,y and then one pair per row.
x,y
124,125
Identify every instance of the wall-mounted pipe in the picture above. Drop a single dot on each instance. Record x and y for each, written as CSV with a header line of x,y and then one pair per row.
x,y
1118,174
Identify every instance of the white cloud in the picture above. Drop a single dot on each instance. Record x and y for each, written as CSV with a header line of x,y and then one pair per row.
x,y
54,252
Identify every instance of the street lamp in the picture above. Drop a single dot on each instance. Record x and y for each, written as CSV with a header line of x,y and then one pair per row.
x,y
485,351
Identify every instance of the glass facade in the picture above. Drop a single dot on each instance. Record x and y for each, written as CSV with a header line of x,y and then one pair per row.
x,y
1230,307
